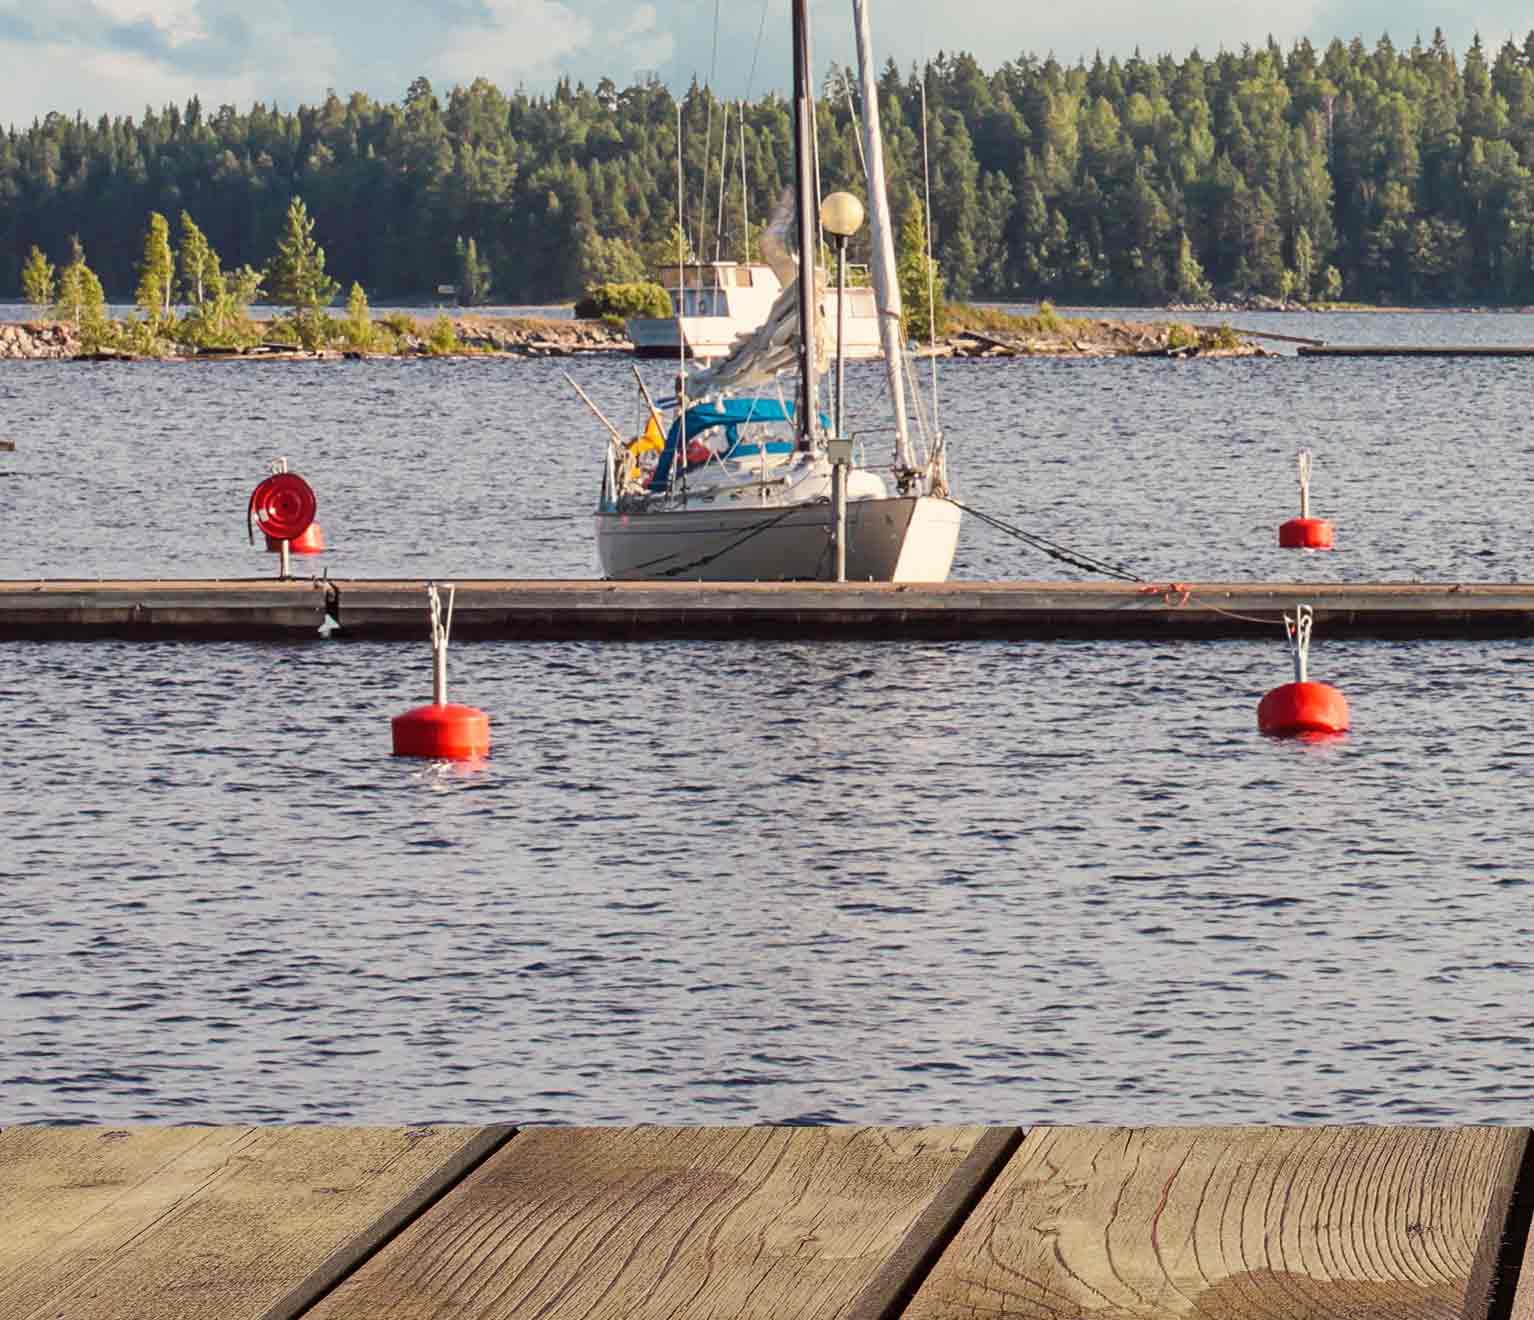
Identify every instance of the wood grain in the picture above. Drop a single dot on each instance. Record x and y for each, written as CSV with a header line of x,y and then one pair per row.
x,y
196,1223
662,1224
1235,1224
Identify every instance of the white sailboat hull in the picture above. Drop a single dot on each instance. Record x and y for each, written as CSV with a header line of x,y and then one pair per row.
x,y
908,538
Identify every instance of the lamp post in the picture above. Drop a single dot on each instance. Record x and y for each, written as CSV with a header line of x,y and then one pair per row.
x,y
841,214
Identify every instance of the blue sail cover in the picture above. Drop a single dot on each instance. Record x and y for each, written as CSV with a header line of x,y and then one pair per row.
x,y
728,413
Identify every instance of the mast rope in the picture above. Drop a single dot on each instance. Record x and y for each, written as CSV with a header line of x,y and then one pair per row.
x,y
1077,559
755,529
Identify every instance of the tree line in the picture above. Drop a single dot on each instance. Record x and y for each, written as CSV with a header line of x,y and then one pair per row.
x,y
1378,174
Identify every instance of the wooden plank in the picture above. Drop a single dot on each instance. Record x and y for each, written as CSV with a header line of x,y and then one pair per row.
x,y
586,609
205,1223
1235,1224
663,1224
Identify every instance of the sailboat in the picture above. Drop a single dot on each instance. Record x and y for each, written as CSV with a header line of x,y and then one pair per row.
x,y
749,480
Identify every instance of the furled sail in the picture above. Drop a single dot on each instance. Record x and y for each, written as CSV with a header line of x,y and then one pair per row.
x,y
757,356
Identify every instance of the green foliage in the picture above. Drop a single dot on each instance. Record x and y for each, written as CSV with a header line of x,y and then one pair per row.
x,y
81,299
38,286
1181,336
921,286
399,324
357,330
621,301
1046,323
156,272
297,280
473,275
202,278
442,338
1392,172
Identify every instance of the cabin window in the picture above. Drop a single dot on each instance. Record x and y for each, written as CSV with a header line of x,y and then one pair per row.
x,y
860,302
743,277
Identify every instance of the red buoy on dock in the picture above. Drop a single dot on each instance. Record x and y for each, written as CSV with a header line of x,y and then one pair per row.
x,y
1305,532
441,731
1302,709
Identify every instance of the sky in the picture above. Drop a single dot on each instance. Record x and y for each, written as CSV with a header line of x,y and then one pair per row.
x,y
117,56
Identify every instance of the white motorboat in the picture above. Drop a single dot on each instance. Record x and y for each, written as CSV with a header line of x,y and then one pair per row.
x,y
714,305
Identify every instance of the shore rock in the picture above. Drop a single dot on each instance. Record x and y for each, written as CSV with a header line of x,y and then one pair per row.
x,y
38,340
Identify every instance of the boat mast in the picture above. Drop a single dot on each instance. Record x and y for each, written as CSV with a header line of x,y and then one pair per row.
x,y
807,188
882,232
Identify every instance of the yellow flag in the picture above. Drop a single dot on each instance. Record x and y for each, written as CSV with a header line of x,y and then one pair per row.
x,y
651,441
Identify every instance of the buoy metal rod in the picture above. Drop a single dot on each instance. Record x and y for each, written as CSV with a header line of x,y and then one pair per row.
x,y
1297,628
441,630
1304,483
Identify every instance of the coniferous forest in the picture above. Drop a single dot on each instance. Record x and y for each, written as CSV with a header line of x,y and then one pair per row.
x,y
1386,175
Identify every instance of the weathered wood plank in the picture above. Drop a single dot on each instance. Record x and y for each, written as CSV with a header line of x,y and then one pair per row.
x,y
663,1224
1235,1224
205,1223
574,609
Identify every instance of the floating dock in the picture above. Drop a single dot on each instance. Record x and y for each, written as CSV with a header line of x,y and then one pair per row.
x,y
1417,350
561,610
766,1223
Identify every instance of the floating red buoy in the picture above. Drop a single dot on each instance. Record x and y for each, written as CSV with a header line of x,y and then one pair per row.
x,y
1305,532
441,732
1297,709
1302,709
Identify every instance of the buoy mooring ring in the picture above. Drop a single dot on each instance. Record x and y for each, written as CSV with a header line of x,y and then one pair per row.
x,y
283,506
1303,710
1305,534
442,733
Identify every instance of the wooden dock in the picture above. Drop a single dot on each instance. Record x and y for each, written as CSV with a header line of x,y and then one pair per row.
x,y
577,610
766,1223
1417,350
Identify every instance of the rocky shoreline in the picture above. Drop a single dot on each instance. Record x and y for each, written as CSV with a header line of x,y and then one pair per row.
x,y
540,337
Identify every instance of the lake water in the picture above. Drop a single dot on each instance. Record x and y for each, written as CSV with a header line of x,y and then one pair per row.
x,y
737,882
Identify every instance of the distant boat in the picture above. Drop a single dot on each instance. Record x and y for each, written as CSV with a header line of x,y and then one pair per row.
x,y
724,300
742,483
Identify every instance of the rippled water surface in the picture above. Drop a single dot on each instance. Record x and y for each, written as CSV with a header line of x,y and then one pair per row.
x,y
756,881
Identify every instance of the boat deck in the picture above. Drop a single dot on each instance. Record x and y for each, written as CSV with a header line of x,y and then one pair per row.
x,y
579,609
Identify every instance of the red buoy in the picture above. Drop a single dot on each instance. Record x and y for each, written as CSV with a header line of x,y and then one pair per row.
x,y
1302,709
1306,534
1298,710
311,541
442,733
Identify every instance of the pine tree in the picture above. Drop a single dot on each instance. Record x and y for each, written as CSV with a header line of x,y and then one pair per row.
x,y
473,275
37,281
296,276
921,284
81,299
156,276
358,326
202,279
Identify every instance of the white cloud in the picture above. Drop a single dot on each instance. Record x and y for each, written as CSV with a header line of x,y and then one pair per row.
x,y
178,21
516,40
